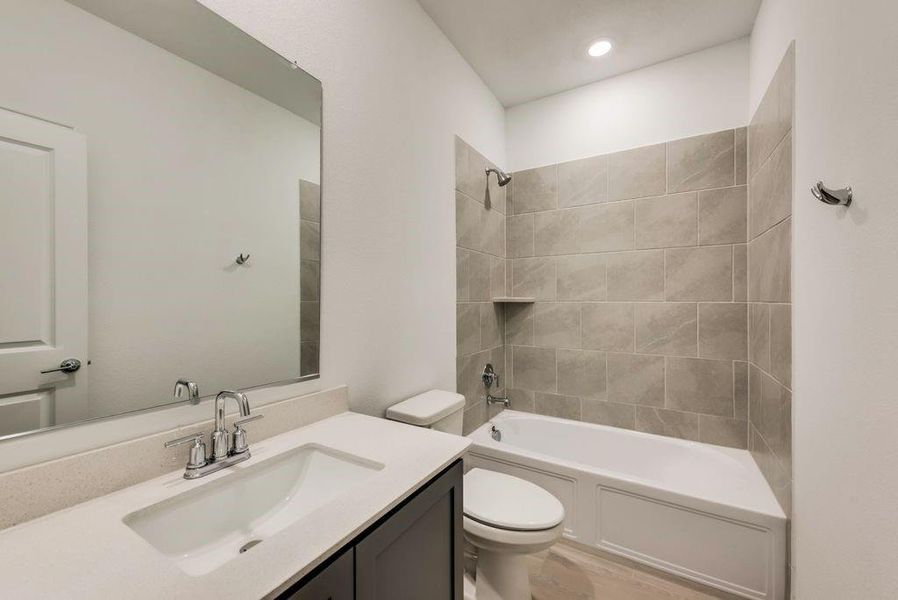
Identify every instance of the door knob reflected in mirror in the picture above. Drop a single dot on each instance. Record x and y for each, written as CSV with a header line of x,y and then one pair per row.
x,y
69,365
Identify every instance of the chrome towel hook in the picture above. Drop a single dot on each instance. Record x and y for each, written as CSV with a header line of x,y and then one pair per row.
x,y
242,259
842,197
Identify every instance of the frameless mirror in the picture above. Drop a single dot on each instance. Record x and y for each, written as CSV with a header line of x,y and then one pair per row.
x,y
159,210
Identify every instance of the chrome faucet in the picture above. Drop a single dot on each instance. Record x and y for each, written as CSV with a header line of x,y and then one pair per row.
x,y
191,389
227,448
490,378
221,440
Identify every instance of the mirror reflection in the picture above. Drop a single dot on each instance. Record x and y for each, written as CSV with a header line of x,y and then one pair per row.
x,y
159,210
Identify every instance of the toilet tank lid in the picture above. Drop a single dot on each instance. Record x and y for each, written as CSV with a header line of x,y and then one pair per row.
x,y
427,408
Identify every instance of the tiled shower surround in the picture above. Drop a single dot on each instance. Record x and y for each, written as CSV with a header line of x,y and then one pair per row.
x,y
480,277
638,262
769,282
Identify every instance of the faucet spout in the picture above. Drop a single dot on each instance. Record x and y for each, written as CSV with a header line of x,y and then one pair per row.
x,y
220,438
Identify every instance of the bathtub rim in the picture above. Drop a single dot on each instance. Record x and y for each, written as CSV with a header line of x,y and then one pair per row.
x,y
771,516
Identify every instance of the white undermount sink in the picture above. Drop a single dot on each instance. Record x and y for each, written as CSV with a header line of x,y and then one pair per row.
x,y
208,526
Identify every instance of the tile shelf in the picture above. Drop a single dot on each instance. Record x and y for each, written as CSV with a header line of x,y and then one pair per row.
x,y
513,300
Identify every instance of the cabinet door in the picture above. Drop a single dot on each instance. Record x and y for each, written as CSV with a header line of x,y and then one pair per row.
x,y
416,553
335,582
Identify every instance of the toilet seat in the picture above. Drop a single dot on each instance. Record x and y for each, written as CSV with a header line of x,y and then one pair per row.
x,y
508,503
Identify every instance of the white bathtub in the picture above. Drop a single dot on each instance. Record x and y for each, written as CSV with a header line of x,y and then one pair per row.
x,y
700,511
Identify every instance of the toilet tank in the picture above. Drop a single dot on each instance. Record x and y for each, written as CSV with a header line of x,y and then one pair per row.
x,y
436,409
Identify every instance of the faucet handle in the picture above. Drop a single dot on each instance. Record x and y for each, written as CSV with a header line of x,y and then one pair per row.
x,y
240,422
239,445
197,456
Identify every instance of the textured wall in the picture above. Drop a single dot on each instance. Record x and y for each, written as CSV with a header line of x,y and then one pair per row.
x,y
480,276
769,281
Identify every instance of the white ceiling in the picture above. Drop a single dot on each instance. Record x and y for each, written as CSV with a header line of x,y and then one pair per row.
x,y
527,49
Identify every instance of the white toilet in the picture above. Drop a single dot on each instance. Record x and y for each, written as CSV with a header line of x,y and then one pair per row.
x,y
505,517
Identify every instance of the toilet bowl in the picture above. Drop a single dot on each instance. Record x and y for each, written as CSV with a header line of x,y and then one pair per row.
x,y
505,517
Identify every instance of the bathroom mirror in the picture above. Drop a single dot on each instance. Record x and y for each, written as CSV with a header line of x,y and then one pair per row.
x,y
159,210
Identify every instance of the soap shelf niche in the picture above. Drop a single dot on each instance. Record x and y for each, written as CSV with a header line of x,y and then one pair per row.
x,y
513,300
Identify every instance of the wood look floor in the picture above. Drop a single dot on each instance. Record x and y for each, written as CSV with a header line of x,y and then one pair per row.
x,y
565,572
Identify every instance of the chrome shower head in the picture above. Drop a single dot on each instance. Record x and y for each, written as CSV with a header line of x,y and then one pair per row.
x,y
502,176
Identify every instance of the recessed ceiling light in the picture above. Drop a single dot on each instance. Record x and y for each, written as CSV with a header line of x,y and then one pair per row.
x,y
600,48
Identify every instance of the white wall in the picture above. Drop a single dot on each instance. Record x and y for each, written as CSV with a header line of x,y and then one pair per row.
x,y
775,27
694,94
845,286
174,196
395,93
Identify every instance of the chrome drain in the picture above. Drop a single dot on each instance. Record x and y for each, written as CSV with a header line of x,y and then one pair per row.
x,y
249,545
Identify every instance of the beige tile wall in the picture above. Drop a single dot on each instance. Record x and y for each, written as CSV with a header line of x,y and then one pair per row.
x,y
637,261
309,276
480,277
769,282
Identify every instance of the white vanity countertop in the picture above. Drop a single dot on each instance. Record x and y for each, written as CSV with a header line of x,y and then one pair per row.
x,y
86,551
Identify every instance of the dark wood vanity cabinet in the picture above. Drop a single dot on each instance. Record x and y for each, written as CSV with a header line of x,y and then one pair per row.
x,y
412,553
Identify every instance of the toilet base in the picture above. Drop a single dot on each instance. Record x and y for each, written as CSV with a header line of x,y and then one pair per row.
x,y
502,576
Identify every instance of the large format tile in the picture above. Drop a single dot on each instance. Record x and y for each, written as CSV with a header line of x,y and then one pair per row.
x,y
522,400
534,368
770,265
309,280
519,324
740,389
498,277
636,379
668,328
742,156
608,413
555,232
519,236
534,277
310,240
581,373
723,330
636,276
535,189
556,405
581,277
477,227
701,162
667,221
479,270
740,272
557,325
309,201
723,431
461,274
781,343
605,227
759,335
770,192
467,328
607,326
671,423
703,274
583,181
637,173
773,118
492,325
700,385
722,216
467,180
